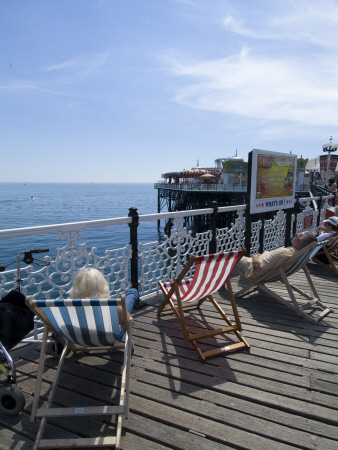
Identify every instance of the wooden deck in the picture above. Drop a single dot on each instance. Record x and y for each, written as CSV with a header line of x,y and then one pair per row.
x,y
282,394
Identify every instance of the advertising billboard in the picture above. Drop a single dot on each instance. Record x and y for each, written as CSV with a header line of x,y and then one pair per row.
x,y
273,181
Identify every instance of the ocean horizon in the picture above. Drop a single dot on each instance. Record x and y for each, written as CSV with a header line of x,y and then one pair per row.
x,y
28,204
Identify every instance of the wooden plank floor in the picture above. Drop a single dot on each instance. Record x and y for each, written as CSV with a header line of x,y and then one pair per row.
x,y
282,394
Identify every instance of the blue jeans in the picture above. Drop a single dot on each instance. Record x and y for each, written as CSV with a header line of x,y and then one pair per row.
x,y
131,299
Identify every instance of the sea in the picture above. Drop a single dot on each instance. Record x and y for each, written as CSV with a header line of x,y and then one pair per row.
x,y
35,204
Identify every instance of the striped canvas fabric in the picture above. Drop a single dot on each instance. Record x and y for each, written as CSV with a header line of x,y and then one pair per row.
x,y
332,244
211,274
84,322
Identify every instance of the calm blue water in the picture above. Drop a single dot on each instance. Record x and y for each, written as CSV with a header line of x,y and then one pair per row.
x,y
32,204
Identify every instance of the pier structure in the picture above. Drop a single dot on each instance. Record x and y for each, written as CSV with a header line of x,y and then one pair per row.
x,y
204,187
226,184
282,394
184,196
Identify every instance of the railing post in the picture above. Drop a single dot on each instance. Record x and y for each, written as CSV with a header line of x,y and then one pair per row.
x,y
262,234
248,220
134,247
320,203
213,243
288,231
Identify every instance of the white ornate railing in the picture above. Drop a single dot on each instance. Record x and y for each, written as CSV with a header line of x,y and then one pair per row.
x,y
156,260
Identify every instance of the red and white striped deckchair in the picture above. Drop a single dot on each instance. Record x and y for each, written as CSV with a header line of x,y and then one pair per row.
x,y
329,251
211,274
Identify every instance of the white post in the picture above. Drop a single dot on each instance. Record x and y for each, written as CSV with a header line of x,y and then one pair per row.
x,y
329,147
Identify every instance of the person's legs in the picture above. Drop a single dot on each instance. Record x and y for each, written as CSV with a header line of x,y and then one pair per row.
x,y
322,257
133,301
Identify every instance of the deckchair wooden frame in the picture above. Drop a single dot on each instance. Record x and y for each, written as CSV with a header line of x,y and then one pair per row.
x,y
329,250
286,269
121,410
193,338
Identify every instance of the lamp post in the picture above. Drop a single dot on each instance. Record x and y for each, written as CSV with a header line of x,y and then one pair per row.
x,y
329,148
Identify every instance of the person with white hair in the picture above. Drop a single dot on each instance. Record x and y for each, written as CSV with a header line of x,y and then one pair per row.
x,y
91,283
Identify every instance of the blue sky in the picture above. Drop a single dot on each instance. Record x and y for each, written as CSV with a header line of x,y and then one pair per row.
x,y
125,90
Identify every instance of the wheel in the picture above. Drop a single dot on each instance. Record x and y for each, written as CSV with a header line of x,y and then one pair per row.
x,y
12,400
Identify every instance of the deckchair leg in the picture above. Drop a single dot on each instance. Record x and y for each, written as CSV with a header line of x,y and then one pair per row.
x,y
235,329
300,310
178,310
167,298
234,306
50,397
245,290
294,302
330,258
331,261
125,385
41,366
162,306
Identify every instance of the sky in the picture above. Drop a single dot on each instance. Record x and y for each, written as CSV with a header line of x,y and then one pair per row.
x,y
126,90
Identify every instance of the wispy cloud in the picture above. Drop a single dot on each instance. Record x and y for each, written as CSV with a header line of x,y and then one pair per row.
x,y
301,20
261,87
25,86
288,70
84,64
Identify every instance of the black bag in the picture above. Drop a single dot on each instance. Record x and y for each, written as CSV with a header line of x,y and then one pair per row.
x,y
16,319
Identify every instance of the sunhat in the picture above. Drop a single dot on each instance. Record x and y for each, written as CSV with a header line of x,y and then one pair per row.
x,y
333,220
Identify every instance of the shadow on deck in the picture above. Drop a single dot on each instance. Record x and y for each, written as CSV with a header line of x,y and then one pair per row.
x,y
282,394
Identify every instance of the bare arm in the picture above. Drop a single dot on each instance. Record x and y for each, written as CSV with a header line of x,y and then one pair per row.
x,y
121,318
255,262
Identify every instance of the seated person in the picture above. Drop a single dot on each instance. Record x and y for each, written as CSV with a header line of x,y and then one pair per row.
x,y
332,185
91,283
260,264
329,227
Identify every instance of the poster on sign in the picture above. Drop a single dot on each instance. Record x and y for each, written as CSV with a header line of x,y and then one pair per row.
x,y
307,219
273,181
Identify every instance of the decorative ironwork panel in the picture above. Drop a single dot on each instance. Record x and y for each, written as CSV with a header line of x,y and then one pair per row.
x,y
232,238
255,231
55,279
274,231
166,260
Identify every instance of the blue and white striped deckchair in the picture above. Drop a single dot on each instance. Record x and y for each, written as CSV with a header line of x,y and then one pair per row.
x,y
296,262
82,324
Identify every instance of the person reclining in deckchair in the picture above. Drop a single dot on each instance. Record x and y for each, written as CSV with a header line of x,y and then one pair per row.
x,y
329,227
327,256
259,264
270,273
